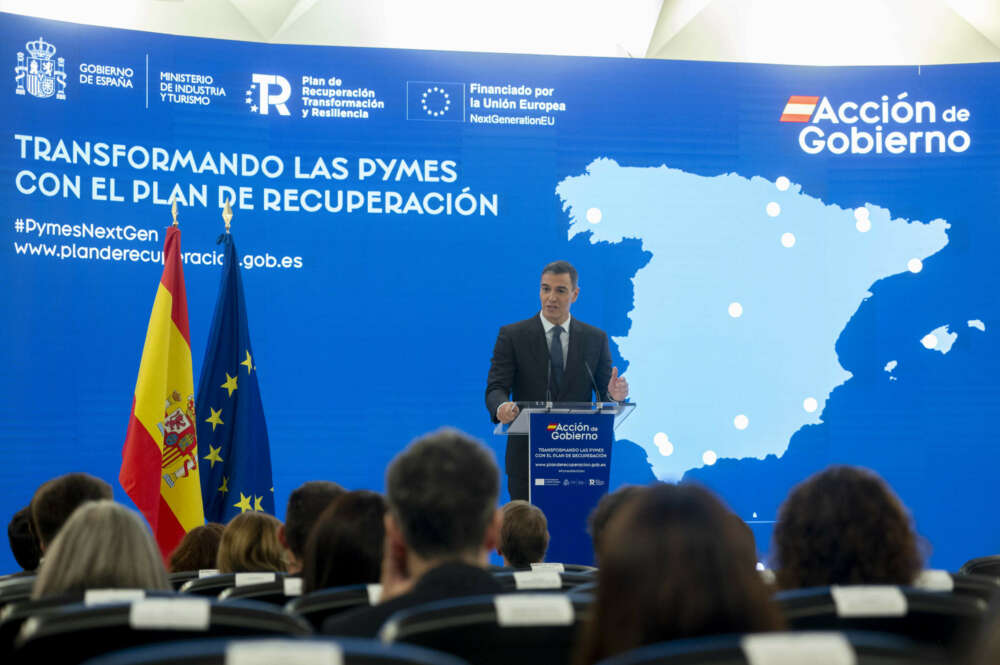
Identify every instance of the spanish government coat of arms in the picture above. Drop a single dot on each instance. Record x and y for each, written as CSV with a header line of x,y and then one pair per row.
x,y
40,75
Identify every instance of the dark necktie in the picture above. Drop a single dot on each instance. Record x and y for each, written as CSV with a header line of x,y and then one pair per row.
x,y
556,355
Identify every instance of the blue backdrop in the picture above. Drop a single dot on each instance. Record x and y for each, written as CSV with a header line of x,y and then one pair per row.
x,y
759,241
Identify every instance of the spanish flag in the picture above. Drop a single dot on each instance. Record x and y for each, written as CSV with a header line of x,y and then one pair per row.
x,y
160,457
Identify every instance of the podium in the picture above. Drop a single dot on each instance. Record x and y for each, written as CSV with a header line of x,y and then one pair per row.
x,y
569,444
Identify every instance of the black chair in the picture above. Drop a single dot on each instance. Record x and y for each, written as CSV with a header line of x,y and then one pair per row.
x,y
932,618
317,606
565,567
540,580
213,585
975,586
216,651
178,579
16,590
494,630
278,592
75,633
15,614
984,565
858,647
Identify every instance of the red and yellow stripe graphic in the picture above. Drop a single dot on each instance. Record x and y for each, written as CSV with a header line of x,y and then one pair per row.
x,y
159,459
799,108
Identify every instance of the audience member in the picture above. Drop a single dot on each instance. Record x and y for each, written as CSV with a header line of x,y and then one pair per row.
x,y
55,501
250,544
844,526
442,523
199,549
673,565
23,542
524,534
103,545
605,508
305,505
345,545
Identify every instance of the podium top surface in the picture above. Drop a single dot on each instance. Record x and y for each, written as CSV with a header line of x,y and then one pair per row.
x,y
522,424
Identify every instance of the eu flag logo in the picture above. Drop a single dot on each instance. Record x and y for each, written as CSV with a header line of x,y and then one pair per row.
x,y
432,100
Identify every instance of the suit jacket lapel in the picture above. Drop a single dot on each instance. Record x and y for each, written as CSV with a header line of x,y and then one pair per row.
x,y
574,358
540,349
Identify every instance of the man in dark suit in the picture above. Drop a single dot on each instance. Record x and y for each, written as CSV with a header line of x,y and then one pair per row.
x,y
549,357
442,523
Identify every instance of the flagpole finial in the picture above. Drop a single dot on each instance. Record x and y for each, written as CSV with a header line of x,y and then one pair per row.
x,y
227,215
173,211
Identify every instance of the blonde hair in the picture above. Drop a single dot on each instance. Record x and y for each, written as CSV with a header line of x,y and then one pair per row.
x,y
250,544
102,545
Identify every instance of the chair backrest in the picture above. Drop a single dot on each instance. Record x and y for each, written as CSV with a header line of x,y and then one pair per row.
x,y
317,606
564,567
961,584
178,579
526,629
826,648
934,618
253,651
984,565
278,592
77,632
16,589
213,585
540,580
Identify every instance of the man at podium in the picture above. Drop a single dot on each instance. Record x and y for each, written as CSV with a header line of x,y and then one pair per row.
x,y
550,357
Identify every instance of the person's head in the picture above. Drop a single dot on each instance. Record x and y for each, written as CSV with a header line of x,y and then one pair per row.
x,y
604,510
345,545
524,534
442,494
103,545
23,542
198,549
56,500
558,291
250,545
844,525
673,565
304,506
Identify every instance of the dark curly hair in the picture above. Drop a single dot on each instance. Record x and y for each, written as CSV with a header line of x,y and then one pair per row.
x,y
844,525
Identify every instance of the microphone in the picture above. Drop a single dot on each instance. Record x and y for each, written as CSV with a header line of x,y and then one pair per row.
x,y
593,382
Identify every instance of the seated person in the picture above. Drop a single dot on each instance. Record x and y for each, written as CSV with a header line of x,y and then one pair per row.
x,y
23,542
199,548
442,523
250,545
103,545
54,501
524,534
844,526
305,504
673,565
345,545
602,512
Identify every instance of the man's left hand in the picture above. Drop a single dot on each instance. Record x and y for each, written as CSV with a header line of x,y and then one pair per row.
x,y
617,386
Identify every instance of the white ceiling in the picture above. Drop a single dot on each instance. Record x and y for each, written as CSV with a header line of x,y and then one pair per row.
x,y
841,32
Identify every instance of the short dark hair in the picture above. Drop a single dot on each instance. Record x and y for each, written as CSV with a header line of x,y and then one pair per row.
x,y
442,491
562,268
23,542
198,549
56,500
524,535
844,525
346,544
305,504
605,509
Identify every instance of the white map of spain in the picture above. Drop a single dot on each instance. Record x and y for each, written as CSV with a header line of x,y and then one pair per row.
x,y
736,316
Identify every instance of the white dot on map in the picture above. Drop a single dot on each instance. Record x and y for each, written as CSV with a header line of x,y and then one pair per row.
x,y
863,225
915,265
663,444
810,404
709,457
773,209
735,310
929,341
782,183
860,213
788,239
755,515
760,566
594,215
741,422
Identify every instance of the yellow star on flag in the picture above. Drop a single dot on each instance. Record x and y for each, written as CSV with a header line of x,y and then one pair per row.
x,y
248,362
243,504
224,487
257,503
214,418
230,383
213,455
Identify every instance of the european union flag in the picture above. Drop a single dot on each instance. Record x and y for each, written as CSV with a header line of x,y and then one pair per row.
x,y
431,100
233,451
